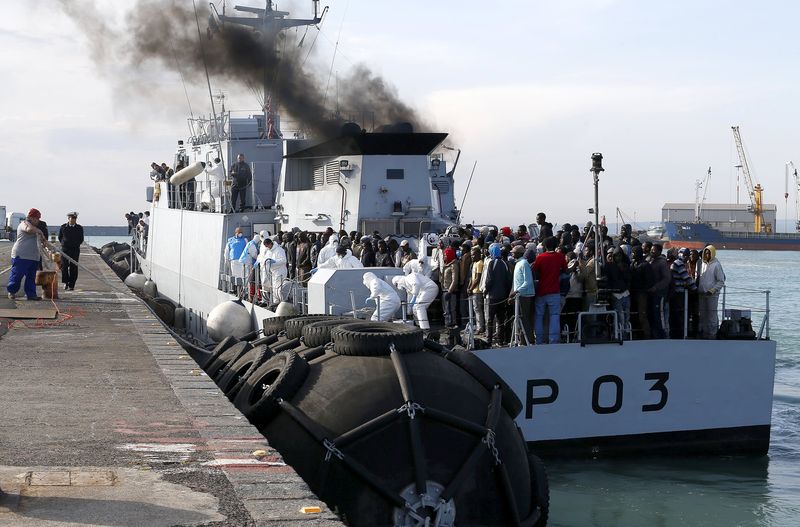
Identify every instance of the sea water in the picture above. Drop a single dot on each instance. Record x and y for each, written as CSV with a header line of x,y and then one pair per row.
x,y
678,491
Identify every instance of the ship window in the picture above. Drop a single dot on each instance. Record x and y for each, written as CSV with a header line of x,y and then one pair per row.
x,y
395,173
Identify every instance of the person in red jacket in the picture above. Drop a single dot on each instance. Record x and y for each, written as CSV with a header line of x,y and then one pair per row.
x,y
548,268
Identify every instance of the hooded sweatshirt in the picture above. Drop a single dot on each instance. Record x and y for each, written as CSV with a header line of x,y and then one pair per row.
x,y
712,278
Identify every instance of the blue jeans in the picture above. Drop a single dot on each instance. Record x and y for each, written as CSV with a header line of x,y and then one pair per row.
x,y
553,304
21,268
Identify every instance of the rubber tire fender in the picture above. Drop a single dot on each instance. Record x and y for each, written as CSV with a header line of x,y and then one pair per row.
x,y
319,333
219,348
283,375
482,373
242,365
229,356
168,310
372,339
540,488
294,327
274,325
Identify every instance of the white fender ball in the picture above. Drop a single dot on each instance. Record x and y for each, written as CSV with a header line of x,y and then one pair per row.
x,y
285,309
149,288
228,319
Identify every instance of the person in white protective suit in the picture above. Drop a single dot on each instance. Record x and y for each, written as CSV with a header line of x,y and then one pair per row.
x,y
273,268
422,291
389,299
343,259
422,264
216,183
329,251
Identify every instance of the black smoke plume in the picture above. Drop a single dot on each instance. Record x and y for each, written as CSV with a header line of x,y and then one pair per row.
x,y
164,32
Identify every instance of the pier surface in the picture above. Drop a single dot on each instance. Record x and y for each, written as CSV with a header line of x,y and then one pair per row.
x,y
105,420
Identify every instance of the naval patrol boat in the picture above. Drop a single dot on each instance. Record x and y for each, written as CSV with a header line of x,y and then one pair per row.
x,y
602,394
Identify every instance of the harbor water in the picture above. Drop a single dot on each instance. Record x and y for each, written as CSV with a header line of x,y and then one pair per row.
x,y
675,491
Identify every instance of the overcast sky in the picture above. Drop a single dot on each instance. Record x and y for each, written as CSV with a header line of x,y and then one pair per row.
x,y
527,89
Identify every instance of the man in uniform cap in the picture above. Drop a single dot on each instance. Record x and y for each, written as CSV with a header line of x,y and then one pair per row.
x,y
71,237
25,256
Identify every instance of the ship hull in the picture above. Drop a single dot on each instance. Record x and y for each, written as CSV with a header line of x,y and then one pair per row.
x,y
698,235
642,397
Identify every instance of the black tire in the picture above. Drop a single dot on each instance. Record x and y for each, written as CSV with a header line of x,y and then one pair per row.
x,y
540,488
319,333
278,378
482,373
229,356
219,348
168,310
275,325
372,339
232,381
294,327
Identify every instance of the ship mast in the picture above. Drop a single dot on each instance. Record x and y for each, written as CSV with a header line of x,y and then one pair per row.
x,y
267,25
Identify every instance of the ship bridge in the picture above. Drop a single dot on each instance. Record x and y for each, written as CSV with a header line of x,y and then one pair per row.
x,y
386,181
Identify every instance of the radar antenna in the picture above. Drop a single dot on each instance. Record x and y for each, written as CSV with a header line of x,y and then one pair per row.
x,y
267,25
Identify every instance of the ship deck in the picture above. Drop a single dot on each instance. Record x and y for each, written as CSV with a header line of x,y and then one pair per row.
x,y
107,421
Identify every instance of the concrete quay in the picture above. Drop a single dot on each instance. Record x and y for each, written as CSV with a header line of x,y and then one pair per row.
x,y
106,420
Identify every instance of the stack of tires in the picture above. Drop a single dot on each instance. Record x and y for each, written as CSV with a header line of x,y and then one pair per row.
x,y
385,427
117,256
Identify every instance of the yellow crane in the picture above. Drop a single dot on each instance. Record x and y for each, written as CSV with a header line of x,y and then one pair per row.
x,y
754,191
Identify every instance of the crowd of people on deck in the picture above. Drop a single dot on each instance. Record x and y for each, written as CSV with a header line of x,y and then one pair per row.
x,y
492,278
139,225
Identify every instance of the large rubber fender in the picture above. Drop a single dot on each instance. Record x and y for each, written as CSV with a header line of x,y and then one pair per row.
x,y
369,339
541,488
185,174
278,378
487,377
342,393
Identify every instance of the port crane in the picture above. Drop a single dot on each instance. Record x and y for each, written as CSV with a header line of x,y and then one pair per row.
x,y
698,203
790,169
754,191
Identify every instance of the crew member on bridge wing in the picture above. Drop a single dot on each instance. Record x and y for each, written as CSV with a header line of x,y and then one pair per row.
x,y
241,176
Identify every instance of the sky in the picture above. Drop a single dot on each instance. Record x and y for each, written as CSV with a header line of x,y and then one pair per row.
x,y
527,90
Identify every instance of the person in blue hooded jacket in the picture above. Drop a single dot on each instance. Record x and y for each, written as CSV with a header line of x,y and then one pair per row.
x,y
233,251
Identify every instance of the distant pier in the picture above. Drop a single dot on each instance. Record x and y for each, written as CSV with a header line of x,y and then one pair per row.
x,y
105,420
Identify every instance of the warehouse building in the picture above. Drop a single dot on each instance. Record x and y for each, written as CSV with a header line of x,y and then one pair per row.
x,y
723,216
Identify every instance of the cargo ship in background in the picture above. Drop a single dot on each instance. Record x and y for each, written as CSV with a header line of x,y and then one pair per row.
x,y
748,226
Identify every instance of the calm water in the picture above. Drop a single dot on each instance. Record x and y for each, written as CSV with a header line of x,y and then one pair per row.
x,y
707,492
